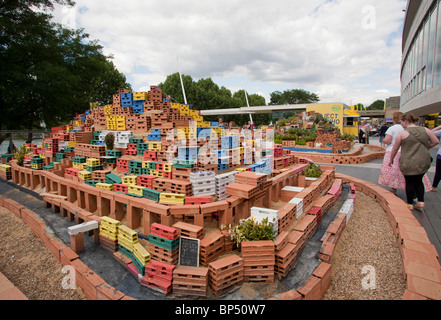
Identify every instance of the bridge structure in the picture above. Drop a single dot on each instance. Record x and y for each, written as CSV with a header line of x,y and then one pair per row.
x,y
255,110
9,135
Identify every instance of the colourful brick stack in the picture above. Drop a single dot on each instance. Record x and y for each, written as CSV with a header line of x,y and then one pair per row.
x,y
37,163
158,276
336,189
190,281
203,183
109,234
5,172
258,261
128,244
225,274
164,244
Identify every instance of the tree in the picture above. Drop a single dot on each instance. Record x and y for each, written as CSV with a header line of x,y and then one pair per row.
x,y
48,73
294,96
377,105
204,94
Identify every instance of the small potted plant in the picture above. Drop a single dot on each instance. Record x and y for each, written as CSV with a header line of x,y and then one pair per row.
x,y
109,140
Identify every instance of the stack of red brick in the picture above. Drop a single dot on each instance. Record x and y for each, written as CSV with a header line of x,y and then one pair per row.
x,y
212,247
173,186
190,281
288,247
162,254
189,230
258,261
225,274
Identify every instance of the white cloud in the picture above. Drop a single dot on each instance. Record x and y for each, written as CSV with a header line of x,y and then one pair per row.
x,y
333,48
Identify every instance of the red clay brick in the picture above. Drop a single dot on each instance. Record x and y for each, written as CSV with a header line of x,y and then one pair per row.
x,y
311,290
412,296
422,271
291,295
107,292
424,287
67,255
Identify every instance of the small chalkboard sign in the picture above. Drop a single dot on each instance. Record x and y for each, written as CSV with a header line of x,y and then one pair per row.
x,y
189,252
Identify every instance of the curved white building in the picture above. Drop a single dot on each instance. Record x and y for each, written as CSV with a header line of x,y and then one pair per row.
x,y
421,62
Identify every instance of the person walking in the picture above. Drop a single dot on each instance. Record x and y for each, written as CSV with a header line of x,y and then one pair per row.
x,y
363,133
437,132
415,161
392,176
383,131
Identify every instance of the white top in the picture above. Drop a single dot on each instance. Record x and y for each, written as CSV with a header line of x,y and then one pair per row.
x,y
393,131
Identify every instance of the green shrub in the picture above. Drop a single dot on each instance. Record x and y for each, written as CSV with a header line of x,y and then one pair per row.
x,y
251,230
313,171
20,154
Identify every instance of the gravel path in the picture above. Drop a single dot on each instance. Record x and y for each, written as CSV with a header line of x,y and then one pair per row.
x,y
366,264
28,264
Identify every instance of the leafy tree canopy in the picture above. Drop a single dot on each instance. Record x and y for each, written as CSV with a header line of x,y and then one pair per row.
x,y
49,73
294,96
204,94
377,105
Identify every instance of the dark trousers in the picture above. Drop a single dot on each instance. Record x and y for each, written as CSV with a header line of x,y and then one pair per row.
x,y
437,178
414,186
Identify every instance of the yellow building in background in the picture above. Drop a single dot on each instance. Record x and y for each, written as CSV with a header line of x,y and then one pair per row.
x,y
343,117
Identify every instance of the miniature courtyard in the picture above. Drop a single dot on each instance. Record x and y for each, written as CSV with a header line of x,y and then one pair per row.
x,y
192,209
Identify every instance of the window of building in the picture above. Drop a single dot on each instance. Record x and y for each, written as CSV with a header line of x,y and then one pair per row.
x,y
437,63
430,52
425,42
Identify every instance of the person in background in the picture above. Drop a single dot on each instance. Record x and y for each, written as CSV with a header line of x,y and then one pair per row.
x,y
363,132
392,177
383,131
437,132
415,143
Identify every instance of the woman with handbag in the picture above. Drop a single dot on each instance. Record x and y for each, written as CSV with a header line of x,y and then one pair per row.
x,y
415,143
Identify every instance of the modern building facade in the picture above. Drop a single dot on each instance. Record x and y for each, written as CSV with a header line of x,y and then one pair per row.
x,y
421,62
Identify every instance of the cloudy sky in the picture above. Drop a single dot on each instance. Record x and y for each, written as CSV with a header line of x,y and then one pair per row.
x,y
344,50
